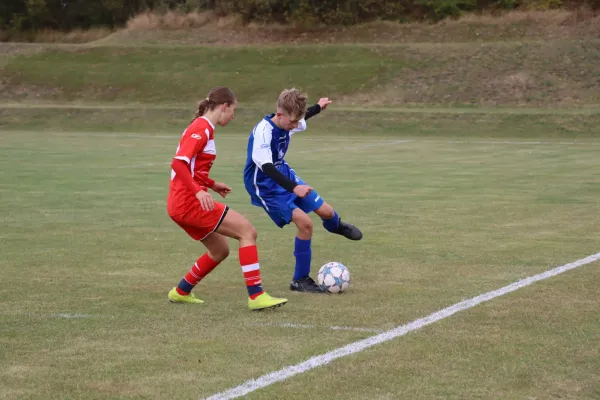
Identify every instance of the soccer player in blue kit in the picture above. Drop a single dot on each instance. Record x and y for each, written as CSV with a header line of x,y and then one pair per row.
x,y
273,185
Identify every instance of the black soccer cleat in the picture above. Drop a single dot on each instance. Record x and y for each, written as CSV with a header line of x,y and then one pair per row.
x,y
306,284
349,231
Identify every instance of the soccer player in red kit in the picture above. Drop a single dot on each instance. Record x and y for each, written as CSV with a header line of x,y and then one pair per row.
x,y
193,208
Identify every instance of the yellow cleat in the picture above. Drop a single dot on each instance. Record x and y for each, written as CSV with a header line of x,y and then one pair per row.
x,y
265,301
175,297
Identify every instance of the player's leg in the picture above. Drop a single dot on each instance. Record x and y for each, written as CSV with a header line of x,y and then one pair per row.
x,y
334,224
236,226
331,220
218,250
302,282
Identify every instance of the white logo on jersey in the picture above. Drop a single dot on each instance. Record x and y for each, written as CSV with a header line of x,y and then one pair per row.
x,y
196,136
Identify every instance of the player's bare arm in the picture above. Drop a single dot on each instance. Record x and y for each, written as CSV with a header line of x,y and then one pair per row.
x,y
221,188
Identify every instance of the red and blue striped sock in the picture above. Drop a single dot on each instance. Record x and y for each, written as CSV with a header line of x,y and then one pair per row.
x,y
199,270
251,269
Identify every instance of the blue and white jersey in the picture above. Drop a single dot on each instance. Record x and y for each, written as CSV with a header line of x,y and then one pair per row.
x,y
269,144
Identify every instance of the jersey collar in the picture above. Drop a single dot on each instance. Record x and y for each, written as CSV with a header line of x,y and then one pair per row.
x,y
268,118
210,123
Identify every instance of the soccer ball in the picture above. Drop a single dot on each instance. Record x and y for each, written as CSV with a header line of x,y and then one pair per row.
x,y
334,277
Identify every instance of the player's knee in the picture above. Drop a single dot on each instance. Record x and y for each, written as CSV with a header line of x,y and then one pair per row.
x,y
249,232
325,211
220,254
253,232
305,226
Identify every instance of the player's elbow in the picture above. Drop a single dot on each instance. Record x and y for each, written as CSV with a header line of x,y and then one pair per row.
x,y
259,163
177,163
182,160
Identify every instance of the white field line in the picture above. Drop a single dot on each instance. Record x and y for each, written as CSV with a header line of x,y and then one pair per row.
x,y
307,137
517,142
355,147
145,165
358,346
365,143
274,324
306,326
71,316
338,108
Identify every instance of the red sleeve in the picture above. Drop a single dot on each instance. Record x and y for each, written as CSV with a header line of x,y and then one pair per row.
x,y
191,144
209,182
182,171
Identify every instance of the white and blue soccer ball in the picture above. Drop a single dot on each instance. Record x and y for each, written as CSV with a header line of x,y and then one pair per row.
x,y
334,277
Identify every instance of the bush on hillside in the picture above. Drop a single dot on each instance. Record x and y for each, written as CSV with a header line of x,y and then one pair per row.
x,y
34,15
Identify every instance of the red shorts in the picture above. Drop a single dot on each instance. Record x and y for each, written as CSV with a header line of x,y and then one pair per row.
x,y
199,223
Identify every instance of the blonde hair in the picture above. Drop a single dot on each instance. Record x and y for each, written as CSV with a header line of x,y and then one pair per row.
x,y
292,102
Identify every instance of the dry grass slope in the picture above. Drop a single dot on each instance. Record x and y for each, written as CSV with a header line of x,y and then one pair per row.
x,y
206,28
535,74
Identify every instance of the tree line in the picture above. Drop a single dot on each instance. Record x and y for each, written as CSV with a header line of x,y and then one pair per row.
x,y
32,15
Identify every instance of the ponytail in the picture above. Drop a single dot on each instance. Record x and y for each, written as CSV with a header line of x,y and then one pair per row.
x,y
217,96
202,107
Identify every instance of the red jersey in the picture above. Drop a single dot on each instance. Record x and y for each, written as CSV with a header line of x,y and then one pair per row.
x,y
197,149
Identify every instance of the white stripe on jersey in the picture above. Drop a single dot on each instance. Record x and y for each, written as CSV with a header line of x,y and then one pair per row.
x,y
192,164
183,158
257,189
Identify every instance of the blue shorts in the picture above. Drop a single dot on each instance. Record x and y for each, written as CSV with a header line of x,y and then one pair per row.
x,y
283,215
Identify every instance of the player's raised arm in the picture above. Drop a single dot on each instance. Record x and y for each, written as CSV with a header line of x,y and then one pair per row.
x,y
311,112
317,108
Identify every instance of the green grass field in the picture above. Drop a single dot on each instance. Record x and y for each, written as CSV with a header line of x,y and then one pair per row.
x,y
85,234
461,183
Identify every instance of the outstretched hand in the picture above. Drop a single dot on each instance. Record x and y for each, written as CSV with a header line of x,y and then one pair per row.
x,y
324,102
221,188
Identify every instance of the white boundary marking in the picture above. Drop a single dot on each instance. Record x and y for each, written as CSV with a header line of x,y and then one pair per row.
x,y
355,147
306,326
70,316
308,138
145,165
363,142
358,346
337,109
366,143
